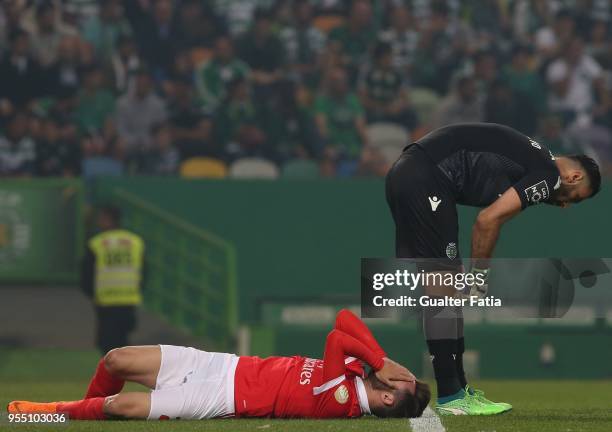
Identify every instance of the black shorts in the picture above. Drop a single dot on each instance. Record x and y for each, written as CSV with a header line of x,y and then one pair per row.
x,y
423,205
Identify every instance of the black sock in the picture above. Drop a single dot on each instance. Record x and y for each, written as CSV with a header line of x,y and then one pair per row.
x,y
445,369
459,362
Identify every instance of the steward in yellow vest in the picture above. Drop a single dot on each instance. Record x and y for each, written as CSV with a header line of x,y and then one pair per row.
x,y
112,277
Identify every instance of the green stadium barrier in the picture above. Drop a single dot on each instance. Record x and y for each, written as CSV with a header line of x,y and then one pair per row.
x,y
299,239
41,231
190,274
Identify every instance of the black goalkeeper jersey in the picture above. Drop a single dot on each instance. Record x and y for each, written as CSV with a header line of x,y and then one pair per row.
x,y
483,160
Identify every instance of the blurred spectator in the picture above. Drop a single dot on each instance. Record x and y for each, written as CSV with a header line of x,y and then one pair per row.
x,y
124,64
484,71
64,72
105,144
488,21
292,129
191,127
17,148
55,155
573,79
552,136
530,15
262,51
523,80
47,35
588,11
506,107
462,105
550,40
402,37
80,11
163,158
21,74
439,52
213,76
96,101
240,127
155,33
62,111
198,26
104,29
383,92
303,43
137,112
239,13
340,118
599,45
10,20
352,40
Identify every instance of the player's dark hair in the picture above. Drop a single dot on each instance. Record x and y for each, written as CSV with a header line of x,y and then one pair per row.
x,y
406,404
591,169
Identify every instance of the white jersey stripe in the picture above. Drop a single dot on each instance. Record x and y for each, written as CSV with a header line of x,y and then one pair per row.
x,y
329,384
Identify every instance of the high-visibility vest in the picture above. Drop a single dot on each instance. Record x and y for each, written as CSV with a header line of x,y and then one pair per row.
x,y
118,269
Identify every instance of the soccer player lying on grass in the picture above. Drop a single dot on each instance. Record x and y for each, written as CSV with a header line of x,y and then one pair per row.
x,y
191,384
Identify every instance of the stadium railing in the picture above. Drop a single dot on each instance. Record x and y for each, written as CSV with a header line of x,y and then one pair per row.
x,y
190,274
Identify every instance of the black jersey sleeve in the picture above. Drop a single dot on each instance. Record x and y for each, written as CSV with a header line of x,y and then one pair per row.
x,y
537,187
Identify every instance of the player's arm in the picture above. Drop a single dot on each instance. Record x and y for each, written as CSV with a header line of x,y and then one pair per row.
x,y
349,323
340,345
488,224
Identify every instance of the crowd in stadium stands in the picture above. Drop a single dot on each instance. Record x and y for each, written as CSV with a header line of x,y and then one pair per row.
x,y
115,87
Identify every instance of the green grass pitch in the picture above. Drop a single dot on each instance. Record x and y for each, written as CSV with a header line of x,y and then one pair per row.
x,y
539,406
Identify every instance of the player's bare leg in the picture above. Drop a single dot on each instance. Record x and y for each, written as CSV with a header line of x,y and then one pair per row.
x,y
133,405
139,364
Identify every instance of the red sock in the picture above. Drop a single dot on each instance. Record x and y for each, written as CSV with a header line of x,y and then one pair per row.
x,y
86,409
103,383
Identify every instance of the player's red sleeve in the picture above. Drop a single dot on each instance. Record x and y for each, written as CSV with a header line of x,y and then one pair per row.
x,y
338,346
349,323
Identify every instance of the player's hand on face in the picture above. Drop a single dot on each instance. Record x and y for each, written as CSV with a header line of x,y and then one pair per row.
x,y
393,371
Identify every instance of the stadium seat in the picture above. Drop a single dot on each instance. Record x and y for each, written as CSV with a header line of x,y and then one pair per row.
x,y
387,134
101,166
253,168
390,153
326,23
302,169
203,167
424,101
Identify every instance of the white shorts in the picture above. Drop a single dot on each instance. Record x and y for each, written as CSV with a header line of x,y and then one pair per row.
x,y
193,384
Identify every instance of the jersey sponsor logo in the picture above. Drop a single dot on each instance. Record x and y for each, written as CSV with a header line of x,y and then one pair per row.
x,y
341,394
434,202
537,192
451,250
308,369
558,184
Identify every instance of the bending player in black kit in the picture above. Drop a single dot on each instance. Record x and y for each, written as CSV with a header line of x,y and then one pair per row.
x,y
483,165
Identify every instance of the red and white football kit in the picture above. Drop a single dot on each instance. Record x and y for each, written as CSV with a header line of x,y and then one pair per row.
x,y
196,384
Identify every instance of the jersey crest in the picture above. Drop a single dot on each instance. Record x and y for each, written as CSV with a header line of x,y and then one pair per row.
x,y
341,394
